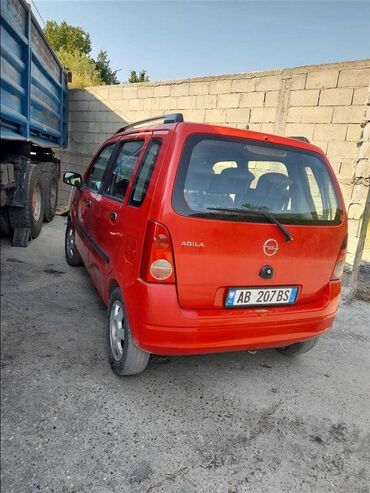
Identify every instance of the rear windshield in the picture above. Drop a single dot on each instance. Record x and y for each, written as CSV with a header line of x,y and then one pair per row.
x,y
238,180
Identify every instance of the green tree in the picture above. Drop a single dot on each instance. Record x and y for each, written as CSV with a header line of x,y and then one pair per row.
x,y
84,71
68,37
107,75
134,77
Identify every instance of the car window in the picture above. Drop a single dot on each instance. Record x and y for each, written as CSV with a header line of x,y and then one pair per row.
x,y
95,176
237,179
144,173
123,167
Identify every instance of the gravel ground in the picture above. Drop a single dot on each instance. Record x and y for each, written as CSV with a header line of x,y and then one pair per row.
x,y
229,423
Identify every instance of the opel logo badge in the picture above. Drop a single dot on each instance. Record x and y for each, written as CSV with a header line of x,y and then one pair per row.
x,y
270,247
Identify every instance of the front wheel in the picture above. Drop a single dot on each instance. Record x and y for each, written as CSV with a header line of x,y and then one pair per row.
x,y
124,356
298,348
72,256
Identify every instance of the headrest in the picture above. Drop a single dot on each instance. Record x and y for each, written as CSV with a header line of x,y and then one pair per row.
x,y
231,180
271,181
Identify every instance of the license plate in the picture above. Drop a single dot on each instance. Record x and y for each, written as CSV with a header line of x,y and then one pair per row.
x,y
279,295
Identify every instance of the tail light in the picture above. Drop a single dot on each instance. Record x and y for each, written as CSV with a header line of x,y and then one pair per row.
x,y
157,263
339,266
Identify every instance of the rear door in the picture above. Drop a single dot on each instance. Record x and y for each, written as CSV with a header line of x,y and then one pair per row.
x,y
108,226
220,236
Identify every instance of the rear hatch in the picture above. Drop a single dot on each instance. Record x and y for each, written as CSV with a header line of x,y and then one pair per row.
x,y
246,208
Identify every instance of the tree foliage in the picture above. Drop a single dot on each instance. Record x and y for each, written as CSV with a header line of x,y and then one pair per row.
x,y
134,77
68,37
107,75
84,71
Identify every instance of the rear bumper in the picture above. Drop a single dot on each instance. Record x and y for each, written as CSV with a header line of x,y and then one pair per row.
x,y
160,326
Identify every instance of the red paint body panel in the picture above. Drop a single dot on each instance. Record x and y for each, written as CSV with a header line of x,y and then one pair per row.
x,y
189,317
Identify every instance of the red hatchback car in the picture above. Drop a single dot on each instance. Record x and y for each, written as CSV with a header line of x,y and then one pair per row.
x,y
202,238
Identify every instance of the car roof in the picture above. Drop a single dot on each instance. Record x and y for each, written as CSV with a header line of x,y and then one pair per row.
x,y
227,131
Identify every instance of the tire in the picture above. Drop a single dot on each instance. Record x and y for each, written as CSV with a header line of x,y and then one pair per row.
x,y
5,228
73,258
125,357
50,193
298,348
32,214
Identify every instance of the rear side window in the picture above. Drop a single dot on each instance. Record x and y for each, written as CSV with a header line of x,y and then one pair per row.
x,y
95,177
144,173
237,180
123,167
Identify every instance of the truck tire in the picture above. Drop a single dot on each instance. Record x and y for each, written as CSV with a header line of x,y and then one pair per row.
x,y
124,356
5,228
298,348
50,192
32,214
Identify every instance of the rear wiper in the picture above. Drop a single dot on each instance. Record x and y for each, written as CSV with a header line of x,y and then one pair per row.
x,y
267,215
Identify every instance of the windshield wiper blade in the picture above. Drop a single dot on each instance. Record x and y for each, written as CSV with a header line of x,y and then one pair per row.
x,y
288,236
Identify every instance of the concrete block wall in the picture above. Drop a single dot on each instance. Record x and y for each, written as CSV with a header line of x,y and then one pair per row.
x,y
325,103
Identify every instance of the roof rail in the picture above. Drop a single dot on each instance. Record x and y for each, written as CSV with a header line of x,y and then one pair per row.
x,y
299,137
173,118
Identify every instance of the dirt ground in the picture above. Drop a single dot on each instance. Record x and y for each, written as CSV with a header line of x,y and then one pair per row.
x,y
228,423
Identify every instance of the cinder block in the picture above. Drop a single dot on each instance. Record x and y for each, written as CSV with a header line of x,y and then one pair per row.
x,y
207,101
330,131
354,132
360,95
268,83
342,149
354,78
222,86
298,81
263,115
252,100
336,97
161,91
135,105
267,128
129,92
293,115
362,169
151,104
145,92
255,127
307,97
96,106
77,105
181,89
271,98
79,126
322,79
197,116
316,114
115,92
320,144
243,85
101,92
347,167
198,88
359,193
186,102
238,115
228,100
300,129
216,115
167,103
344,114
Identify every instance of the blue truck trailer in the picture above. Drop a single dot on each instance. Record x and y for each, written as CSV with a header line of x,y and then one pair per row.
x,y
33,123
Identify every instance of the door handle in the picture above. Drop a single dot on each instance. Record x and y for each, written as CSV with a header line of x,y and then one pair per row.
x,y
113,216
88,202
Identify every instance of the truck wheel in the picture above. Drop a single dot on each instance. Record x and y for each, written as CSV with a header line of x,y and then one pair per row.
x,y
124,356
72,256
5,228
298,348
32,214
51,197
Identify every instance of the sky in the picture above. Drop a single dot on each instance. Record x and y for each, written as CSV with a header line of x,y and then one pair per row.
x,y
177,39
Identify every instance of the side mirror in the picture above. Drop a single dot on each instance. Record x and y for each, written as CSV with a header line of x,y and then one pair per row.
x,y
73,179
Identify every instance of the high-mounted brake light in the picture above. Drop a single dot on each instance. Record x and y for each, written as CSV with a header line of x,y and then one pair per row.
x,y
341,260
157,263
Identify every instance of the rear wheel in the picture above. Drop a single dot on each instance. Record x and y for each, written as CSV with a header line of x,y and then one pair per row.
x,y
51,195
32,214
298,348
72,256
124,356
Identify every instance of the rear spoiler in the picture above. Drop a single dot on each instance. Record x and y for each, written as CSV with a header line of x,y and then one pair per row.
x,y
299,137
